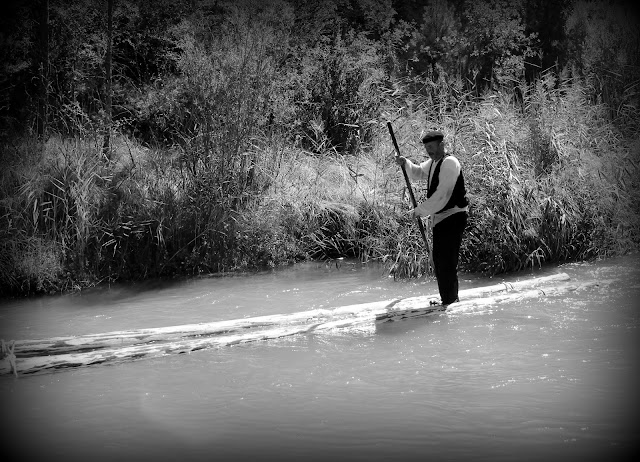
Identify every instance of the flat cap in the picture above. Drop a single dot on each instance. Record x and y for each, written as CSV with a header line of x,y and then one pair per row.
x,y
432,136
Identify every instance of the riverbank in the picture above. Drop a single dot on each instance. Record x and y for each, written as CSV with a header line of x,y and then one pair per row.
x,y
549,180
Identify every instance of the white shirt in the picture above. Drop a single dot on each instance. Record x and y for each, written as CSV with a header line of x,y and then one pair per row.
x,y
449,171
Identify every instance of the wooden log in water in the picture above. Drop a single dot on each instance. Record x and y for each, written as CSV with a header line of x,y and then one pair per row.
x,y
402,310
43,364
90,342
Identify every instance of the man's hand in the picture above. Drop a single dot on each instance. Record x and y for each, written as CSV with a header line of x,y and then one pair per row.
x,y
400,161
415,213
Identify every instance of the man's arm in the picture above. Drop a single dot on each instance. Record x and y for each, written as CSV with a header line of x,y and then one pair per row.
x,y
417,172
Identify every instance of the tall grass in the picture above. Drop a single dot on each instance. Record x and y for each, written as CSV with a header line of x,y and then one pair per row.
x,y
549,178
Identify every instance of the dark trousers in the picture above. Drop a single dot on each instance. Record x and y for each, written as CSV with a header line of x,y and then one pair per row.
x,y
447,237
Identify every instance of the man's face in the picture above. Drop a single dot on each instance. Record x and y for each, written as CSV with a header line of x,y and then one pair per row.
x,y
433,148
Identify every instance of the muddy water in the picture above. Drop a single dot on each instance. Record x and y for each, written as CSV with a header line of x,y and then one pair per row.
x,y
547,379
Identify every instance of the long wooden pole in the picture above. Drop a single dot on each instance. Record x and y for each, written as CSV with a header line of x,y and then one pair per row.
x,y
413,198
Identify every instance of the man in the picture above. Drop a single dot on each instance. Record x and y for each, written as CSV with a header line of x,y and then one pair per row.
x,y
448,207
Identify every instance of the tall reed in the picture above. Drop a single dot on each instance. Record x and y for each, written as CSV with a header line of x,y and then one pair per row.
x,y
549,179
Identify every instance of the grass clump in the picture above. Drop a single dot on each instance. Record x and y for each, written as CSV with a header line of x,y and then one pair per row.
x,y
546,188
549,177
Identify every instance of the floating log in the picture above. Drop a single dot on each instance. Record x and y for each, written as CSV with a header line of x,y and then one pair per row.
x,y
348,317
61,345
403,310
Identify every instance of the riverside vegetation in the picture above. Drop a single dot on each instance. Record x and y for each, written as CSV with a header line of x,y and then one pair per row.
x,y
240,142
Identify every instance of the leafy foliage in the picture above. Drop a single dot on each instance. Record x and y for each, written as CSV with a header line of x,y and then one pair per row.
x,y
252,134
603,42
485,42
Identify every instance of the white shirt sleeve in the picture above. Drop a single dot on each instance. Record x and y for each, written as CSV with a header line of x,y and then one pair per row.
x,y
449,171
417,172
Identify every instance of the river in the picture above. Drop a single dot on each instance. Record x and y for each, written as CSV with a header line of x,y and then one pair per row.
x,y
552,378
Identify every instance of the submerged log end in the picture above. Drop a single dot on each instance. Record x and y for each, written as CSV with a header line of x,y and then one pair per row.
x,y
8,358
8,366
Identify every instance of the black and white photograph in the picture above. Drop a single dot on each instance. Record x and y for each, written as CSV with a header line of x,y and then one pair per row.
x,y
320,230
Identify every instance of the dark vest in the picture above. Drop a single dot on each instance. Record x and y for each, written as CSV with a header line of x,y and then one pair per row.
x,y
459,195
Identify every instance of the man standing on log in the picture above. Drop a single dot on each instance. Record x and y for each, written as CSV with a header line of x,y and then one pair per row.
x,y
448,207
